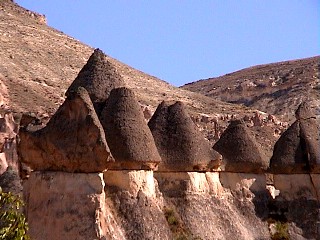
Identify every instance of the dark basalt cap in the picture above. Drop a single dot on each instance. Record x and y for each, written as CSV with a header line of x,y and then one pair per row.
x,y
298,149
128,136
98,76
181,145
240,151
72,141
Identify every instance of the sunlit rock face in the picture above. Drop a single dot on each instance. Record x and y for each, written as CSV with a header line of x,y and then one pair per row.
x,y
138,204
72,141
67,206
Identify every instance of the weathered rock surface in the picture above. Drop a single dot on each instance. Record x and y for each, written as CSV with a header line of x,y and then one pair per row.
x,y
298,148
205,207
72,141
128,136
137,202
8,132
68,206
181,146
240,151
10,181
99,76
298,204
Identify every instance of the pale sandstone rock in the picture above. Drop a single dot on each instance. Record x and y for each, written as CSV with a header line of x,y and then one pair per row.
x,y
3,163
189,183
294,186
68,206
132,181
239,181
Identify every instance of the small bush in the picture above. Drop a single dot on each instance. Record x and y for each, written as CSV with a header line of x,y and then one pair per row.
x,y
281,231
13,225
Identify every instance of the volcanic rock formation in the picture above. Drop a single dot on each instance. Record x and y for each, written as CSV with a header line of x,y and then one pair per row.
x,y
180,144
98,77
298,148
72,141
240,151
127,133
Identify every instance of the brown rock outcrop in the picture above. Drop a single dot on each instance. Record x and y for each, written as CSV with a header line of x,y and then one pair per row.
x,y
180,144
98,77
72,141
128,136
298,148
240,150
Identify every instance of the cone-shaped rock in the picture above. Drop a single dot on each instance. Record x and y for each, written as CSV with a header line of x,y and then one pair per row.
x,y
298,148
181,145
240,151
72,141
128,136
98,77
304,111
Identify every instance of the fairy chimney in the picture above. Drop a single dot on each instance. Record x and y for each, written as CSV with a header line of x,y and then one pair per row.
x,y
240,150
72,141
298,148
181,145
98,77
128,136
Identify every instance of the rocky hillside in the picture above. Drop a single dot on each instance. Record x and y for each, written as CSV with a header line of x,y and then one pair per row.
x,y
276,88
38,63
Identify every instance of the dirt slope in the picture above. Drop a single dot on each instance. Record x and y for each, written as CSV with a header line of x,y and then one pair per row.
x,y
38,63
276,88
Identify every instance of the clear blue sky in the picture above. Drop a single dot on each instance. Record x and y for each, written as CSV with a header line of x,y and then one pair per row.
x,y
183,41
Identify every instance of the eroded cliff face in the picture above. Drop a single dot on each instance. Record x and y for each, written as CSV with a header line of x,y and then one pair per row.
x,y
69,206
298,204
144,205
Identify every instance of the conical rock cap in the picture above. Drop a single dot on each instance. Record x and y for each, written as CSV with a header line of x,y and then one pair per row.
x,y
181,145
127,133
98,76
240,150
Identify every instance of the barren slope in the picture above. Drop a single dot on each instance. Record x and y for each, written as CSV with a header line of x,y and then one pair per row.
x,y
276,88
38,63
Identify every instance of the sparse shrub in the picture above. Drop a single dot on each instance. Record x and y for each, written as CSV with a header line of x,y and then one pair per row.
x,y
170,216
281,231
13,225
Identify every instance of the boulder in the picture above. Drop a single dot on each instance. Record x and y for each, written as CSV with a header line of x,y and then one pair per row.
x,y
128,136
72,141
98,77
181,145
240,150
